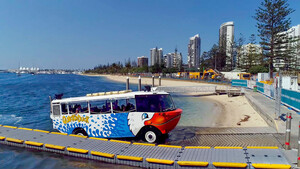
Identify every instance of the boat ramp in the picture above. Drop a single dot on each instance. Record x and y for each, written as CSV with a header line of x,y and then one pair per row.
x,y
143,154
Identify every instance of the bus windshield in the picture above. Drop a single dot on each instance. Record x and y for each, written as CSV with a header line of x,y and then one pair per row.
x,y
154,103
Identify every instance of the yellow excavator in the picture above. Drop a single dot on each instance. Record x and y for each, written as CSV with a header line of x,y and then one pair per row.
x,y
211,74
245,76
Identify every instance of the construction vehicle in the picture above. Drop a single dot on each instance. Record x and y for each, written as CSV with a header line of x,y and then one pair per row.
x,y
211,74
195,75
182,74
245,76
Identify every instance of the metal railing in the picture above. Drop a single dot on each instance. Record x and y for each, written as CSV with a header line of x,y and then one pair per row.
x,y
187,89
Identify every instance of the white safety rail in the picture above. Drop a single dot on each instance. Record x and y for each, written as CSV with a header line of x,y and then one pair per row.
x,y
222,87
187,89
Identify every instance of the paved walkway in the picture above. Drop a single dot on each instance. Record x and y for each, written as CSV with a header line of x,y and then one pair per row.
x,y
266,107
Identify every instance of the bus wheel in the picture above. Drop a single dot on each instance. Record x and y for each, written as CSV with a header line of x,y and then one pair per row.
x,y
152,135
79,131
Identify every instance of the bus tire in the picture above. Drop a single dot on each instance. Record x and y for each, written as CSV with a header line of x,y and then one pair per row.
x,y
79,131
151,135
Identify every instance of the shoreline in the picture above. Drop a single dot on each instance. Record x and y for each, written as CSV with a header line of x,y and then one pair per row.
x,y
148,80
232,111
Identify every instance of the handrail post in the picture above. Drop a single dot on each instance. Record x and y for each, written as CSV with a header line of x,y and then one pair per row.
x,y
298,159
159,81
140,84
152,81
287,145
127,83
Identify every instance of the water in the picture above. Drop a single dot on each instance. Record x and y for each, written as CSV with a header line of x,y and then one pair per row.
x,y
24,102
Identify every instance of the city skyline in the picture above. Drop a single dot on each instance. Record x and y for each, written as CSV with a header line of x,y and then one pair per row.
x,y
81,35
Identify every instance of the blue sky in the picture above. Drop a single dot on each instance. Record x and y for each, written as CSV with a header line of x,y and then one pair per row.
x,y
71,34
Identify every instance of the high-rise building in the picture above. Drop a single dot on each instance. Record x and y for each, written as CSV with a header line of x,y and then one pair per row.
x,y
194,50
246,51
173,60
292,44
177,60
156,56
160,56
142,61
226,39
168,59
152,56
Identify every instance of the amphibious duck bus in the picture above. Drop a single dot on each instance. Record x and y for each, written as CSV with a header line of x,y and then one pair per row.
x,y
116,114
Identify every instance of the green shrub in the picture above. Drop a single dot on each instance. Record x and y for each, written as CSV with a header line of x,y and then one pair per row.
x,y
258,69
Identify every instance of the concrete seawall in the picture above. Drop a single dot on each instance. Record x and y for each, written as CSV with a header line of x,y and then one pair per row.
x,y
262,110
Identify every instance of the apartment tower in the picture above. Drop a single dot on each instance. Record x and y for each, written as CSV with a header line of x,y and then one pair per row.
x,y
226,39
194,50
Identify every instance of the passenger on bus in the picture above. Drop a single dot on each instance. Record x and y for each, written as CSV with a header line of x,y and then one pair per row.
x,y
123,108
78,109
103,108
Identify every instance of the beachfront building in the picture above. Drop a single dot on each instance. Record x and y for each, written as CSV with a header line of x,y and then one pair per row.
x,y
177,60
226,39
173,60
194,50
168,60
250,55
289,50
156,56
142,61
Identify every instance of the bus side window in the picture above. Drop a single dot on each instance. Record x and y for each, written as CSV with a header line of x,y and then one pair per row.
x,y
71,109
78,108
124,105
130,106
100,107
84,108
119,106
56,109
64,109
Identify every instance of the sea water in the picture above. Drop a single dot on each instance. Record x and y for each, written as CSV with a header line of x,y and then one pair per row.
x,y
24,102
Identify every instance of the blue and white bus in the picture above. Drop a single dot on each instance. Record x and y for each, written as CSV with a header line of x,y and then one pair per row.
x,y
116,114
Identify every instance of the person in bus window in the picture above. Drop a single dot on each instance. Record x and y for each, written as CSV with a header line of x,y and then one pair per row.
x,y
78,109
123,108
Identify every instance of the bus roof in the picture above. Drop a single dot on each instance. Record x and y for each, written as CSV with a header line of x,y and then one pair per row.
x,y
105,97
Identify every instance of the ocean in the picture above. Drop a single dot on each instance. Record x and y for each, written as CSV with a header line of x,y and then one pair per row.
x,y
24,102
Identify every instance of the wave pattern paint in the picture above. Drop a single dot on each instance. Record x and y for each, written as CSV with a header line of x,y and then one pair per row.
x,y
106,125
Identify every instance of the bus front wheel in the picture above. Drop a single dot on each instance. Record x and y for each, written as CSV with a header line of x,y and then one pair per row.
x,y
152,135
79,131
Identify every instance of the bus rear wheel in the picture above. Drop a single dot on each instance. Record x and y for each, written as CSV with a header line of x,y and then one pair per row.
x,y
79,131
152,135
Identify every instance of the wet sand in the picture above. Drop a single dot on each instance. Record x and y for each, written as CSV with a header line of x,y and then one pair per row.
x,y
236,112
232,111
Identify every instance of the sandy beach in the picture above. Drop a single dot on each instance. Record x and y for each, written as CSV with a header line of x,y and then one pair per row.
x,y
234,111
148,81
